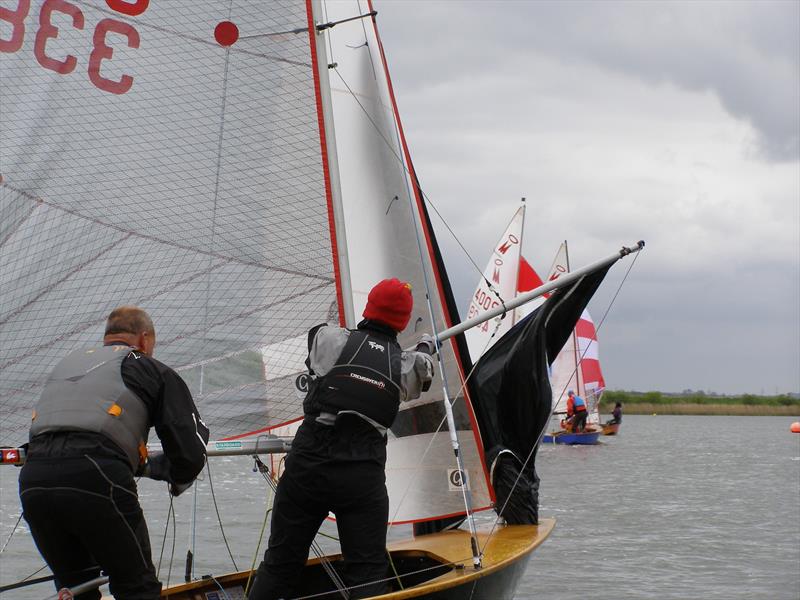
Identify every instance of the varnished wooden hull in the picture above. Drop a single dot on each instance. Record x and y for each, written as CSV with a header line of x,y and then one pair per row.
x,y
431,567
612,429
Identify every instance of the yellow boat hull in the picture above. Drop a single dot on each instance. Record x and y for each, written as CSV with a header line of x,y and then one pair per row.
x,y
434,567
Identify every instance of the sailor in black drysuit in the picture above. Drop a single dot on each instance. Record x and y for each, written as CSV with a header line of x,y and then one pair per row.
x,y
88,440
338,455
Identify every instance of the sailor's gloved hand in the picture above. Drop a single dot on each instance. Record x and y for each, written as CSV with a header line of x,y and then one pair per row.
x,y
426,344
426,374
176,489
157,467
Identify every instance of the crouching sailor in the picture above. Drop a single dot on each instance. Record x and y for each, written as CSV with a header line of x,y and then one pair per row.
x,y
337,460
88,440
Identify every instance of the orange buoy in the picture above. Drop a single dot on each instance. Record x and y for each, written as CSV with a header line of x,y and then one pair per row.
x,y
795,428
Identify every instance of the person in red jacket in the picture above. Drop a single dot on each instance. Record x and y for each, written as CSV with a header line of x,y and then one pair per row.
x,y
576,412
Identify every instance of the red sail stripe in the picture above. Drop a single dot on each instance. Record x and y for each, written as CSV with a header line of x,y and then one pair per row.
x,y
591,372
585,329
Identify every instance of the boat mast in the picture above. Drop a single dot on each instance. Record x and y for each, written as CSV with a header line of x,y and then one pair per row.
x,y
516,276
330,160
575,347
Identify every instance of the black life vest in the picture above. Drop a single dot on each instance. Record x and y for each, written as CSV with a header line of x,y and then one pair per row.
x,y
364,379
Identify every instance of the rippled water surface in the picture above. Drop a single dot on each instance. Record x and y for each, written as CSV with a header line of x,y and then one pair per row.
x,y
675,507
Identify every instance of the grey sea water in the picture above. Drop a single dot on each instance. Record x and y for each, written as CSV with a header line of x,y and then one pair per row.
x,y
673,508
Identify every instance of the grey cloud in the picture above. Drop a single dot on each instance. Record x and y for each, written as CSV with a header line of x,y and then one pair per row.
x,y
583,107
747,54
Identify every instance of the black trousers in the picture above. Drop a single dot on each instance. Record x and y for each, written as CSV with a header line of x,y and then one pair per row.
x,y
579,421
84,516
355,491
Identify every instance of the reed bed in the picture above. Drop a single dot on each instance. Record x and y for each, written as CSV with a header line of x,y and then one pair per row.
x,y
682,408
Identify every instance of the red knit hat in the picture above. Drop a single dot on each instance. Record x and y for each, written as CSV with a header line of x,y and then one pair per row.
x,y
390,302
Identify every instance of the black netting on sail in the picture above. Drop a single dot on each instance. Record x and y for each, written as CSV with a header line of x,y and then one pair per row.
x,y
197,193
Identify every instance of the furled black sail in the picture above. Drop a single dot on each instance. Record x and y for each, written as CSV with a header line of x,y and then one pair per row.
x,y
511,395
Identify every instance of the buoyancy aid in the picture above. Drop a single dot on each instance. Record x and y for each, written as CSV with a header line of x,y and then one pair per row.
x,y
85,392
365,378
575,404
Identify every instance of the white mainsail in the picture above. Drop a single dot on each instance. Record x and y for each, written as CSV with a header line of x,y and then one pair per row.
x,y
501,273
197,193
240,193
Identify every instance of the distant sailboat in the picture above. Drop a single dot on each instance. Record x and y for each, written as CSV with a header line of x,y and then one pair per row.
x,y
577,368
498,285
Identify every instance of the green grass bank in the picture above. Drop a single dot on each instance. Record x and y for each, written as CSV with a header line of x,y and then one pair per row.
x,y
698,403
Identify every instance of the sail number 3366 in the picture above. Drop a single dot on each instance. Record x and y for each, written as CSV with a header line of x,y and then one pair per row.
x,y
66,13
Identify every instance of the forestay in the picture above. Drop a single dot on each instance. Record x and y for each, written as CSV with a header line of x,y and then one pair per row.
x,y
236,187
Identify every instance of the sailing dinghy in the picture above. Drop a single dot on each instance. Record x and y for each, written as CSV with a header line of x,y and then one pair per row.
x,y
238,169
576,367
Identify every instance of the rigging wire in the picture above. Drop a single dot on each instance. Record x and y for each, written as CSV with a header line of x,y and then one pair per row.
x,y
437,431
174,539
219,517
27,581
453,564
268,509
194,523
392,149
221,589
11,535
451,426
324,561
170,516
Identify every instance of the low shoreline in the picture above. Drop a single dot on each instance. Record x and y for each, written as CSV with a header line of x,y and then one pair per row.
x,y
680,408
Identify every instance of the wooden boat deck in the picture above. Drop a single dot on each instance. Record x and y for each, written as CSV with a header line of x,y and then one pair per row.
x,y
448,552
508,544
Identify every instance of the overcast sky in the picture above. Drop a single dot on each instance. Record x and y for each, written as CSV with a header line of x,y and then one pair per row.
x,y
673,122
